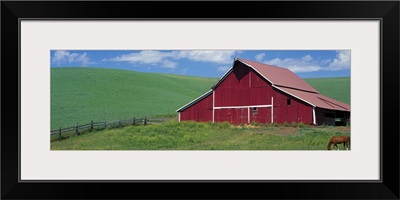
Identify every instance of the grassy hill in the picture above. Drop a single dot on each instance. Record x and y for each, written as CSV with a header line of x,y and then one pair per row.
x,y
337,88
84,94
79,95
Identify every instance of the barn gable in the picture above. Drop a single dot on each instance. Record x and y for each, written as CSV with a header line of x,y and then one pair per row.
x,y
252,91
286,81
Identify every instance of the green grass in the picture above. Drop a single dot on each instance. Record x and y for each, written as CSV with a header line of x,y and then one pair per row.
x,y
175,135
79,95
336,88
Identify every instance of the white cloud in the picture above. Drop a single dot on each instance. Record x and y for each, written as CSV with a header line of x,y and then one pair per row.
x,y
144,57
166,59
308,64
325,61
260,57
275,61
71,57
62,56
220,57
84,59
169,64
296,65
223,68
307,58
342,61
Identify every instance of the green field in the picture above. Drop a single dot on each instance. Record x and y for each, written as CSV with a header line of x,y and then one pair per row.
x,y
205,136
79,95
336,88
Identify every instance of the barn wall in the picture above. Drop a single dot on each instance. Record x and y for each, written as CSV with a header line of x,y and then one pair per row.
x,y
245,87
200,112
263,115
233,116
297,111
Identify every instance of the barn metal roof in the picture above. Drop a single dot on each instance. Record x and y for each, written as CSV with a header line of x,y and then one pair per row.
x,y
279,76
317,100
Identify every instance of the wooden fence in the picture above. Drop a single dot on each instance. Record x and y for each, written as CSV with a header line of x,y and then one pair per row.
x,y
77,129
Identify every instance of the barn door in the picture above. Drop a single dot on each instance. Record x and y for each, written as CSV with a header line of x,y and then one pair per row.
x,y
260,115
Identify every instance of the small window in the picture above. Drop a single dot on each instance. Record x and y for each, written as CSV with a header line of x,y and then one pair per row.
x,y
255,110
288,102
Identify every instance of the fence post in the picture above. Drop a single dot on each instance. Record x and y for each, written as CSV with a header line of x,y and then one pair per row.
x,y
59,134
145,120
119,124
91,126
76,129
133,121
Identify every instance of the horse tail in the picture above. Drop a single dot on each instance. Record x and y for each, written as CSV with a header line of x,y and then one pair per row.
x,y
330,143
349,141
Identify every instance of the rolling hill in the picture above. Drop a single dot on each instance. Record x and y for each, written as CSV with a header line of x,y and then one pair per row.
x,y
84,94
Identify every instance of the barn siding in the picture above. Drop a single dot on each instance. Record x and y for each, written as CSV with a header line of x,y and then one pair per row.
x,y
297,111
263,115
233,116
245,87
200,112
238,90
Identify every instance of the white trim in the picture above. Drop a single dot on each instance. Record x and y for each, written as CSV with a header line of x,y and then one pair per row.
x,y
207,93
248,115
272,110
292,95
230,107
213,112
179,118
313,115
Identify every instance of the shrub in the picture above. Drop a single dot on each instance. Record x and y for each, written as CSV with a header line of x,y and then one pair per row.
x,y
301,125
255,123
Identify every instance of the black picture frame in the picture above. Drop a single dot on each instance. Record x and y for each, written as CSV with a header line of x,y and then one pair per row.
x,y
386,11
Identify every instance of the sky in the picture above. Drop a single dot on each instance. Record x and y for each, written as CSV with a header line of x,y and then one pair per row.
x,y
207,63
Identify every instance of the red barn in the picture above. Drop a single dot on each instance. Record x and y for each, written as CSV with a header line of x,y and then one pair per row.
x,y
255,92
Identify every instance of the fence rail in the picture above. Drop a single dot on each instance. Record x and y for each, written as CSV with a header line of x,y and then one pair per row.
x,y
104,125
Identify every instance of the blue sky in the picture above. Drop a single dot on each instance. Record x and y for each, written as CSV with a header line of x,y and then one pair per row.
x,y
207,63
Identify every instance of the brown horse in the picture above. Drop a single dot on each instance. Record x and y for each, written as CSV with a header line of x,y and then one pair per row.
x,y
338,140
